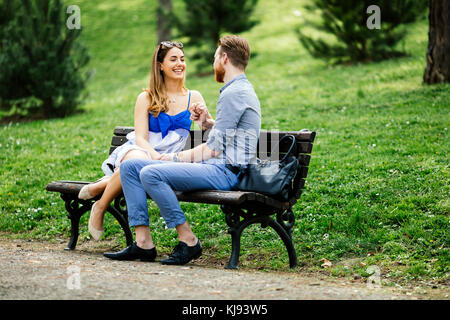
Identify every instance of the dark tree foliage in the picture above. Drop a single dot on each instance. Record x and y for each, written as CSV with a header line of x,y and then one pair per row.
x,y
346,22
204,21
8,10
41,60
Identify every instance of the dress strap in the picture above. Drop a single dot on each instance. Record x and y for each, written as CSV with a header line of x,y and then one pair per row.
x,y
189,100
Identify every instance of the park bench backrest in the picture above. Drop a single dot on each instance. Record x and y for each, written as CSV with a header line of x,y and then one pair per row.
x,y
267,140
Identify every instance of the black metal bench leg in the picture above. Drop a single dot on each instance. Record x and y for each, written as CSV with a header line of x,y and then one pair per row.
x,y
76,208
232,219
72,204
282,226
287,240
236,233
74,222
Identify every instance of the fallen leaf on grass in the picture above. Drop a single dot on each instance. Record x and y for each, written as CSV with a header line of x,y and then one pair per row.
x,y
326,263
216,292
34,261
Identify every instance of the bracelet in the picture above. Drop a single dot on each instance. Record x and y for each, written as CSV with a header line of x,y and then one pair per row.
x,y
175,157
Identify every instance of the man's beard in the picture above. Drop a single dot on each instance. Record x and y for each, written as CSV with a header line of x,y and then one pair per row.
x,y
219,73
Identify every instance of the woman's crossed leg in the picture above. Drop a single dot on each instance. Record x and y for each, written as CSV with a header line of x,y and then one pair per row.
x,y
112,187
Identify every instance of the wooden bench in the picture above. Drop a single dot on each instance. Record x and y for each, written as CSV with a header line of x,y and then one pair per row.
x,y
241,209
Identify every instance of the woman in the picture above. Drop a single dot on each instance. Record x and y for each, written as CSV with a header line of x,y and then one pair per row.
x,y
161,123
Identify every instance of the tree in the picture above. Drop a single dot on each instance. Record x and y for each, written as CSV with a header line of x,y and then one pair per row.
x,y
41,61
164,11
8,9
438,52
204,21
347,22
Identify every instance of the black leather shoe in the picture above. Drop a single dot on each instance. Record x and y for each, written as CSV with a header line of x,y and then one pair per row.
x,y
133,252
182,254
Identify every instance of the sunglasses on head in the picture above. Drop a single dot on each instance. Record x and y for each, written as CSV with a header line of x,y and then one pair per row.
x,y
171,44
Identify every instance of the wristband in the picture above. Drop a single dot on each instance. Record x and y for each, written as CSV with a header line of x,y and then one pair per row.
x,y
175,158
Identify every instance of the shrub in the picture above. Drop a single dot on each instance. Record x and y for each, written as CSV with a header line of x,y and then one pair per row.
x,y
41,61
346,22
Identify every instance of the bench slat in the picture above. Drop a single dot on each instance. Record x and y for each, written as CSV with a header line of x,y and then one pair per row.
x,y
303,147
299,185
122,131
203,196
304,159
215,196
66,186
305,136
118,140
302,172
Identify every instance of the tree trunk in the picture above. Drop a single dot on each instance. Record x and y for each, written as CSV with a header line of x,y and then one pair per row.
x,y
438,52
164,8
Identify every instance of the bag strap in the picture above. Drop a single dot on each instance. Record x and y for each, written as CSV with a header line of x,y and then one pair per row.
x,y
292,149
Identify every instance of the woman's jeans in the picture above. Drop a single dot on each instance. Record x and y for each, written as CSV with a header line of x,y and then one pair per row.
x,y
160,178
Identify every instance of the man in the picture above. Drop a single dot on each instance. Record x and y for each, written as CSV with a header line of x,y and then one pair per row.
x,y
214,165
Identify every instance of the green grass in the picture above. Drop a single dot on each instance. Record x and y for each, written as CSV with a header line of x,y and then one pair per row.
x,y
377,187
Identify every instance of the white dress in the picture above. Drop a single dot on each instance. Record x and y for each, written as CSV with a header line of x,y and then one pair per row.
x,y
173,142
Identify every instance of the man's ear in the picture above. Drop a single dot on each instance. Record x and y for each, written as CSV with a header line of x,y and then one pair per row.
x,y
225,57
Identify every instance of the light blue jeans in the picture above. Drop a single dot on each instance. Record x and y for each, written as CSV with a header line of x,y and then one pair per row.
x,y
160,178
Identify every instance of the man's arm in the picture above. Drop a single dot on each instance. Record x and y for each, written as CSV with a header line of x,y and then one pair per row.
x,y
199,153
226,120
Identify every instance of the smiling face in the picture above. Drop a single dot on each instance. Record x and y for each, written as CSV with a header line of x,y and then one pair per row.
x,y
173,65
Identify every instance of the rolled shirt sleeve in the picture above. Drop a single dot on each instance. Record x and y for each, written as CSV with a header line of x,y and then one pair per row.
x,y
230,108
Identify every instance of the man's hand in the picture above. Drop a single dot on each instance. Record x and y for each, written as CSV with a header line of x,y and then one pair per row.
x,y
200,115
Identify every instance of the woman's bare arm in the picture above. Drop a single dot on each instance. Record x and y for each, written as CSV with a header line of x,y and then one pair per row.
x,y
141,125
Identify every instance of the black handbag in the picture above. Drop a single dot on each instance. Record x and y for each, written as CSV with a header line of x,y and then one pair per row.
x,y
272,177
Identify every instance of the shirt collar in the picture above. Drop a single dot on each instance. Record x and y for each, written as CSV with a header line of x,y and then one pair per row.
x,y
238,77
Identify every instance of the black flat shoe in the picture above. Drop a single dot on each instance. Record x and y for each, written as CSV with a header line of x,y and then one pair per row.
x,y
133,252
182,254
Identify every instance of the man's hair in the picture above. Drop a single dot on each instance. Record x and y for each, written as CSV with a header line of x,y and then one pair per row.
x,y
237,50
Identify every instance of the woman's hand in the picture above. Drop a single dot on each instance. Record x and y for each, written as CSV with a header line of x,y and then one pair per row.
x,y
155,155
167,157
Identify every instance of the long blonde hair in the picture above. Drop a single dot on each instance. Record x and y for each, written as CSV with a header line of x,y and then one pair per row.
x,y
159,100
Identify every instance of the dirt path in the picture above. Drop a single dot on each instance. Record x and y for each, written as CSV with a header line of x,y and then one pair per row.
x,y
40,270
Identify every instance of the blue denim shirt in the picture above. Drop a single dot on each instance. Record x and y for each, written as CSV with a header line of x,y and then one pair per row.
x,y
238,121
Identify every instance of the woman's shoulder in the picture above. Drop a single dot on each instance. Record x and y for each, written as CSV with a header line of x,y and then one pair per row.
x,y
196,95
143,99
143,96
